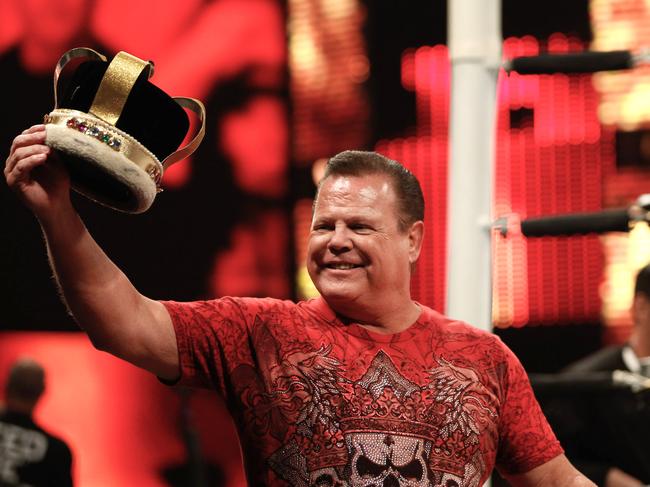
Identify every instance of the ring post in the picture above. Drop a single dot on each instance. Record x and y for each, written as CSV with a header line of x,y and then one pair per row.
x,y
475,53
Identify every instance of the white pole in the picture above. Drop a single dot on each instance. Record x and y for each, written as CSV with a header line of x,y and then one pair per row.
x,y
475,52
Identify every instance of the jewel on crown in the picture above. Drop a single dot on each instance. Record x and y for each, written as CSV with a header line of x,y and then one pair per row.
x,y
95,131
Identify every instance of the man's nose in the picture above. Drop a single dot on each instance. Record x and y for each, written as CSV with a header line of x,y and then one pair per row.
x,y
340,240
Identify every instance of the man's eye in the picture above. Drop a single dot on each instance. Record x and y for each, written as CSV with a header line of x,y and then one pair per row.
x,y
360,227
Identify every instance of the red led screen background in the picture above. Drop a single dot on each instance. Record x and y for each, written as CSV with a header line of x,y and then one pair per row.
x,y
549,161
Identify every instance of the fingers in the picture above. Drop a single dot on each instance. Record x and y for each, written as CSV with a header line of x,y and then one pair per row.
x,y
31,171
40,151
22,170
28,150
33,135
34,128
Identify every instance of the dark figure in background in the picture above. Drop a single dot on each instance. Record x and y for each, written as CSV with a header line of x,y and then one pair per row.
x,y
362,385
29,455
633,356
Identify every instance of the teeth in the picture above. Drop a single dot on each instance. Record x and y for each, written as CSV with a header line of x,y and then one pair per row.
x,y
341,266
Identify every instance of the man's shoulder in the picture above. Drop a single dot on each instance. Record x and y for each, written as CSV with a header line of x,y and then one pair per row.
x,y
10,417
451,325
58,446
231,303
459,337
314,306
246,309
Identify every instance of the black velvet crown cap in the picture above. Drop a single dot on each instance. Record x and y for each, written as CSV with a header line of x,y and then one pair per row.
x,y
116,131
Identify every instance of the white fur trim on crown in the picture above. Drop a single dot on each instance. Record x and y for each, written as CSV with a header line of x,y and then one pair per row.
x,y
97,153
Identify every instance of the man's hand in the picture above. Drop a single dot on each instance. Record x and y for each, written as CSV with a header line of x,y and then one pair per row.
x,y
35,174
618,478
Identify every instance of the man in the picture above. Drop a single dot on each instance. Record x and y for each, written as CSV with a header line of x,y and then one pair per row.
x,y
29,455
362,386
634,356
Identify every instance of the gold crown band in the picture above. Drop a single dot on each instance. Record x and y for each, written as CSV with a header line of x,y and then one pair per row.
x,y
91,126
116,85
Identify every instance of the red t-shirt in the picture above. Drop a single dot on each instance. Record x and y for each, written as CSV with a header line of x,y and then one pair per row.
x,y
321,402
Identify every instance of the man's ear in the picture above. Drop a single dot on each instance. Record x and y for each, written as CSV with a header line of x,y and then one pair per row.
x,y
416,237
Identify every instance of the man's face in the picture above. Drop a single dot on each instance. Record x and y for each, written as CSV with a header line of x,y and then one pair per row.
x,y
357,255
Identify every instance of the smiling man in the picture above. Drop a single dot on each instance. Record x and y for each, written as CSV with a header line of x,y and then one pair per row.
x,y
362,386
363,242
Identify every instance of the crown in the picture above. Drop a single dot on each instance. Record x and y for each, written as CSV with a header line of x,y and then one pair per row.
x,y
115,131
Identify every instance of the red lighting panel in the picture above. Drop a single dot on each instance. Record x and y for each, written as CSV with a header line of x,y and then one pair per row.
x,y
551,150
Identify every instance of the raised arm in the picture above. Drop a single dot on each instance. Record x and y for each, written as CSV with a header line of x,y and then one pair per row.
x,y
116,317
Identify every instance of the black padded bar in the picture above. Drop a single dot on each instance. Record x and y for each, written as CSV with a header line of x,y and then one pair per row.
x,y
577,223
573,383
579,62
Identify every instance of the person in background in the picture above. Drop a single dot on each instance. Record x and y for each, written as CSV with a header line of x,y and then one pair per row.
x,y
633,356
29,455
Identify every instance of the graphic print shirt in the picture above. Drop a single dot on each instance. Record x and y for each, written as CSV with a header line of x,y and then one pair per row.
x,y
30,456
320,402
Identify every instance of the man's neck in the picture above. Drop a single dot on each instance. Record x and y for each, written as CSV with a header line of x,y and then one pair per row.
x,y
388,321
20,406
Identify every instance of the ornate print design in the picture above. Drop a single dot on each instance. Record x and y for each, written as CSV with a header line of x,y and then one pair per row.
x,y
380,430
317,402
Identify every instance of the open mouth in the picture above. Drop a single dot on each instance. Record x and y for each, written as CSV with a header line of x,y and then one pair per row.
x,y
341,266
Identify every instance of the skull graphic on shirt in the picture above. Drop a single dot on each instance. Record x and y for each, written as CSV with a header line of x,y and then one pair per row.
x,y
388,460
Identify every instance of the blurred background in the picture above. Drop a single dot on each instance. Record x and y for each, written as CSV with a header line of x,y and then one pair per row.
x,y
286,85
